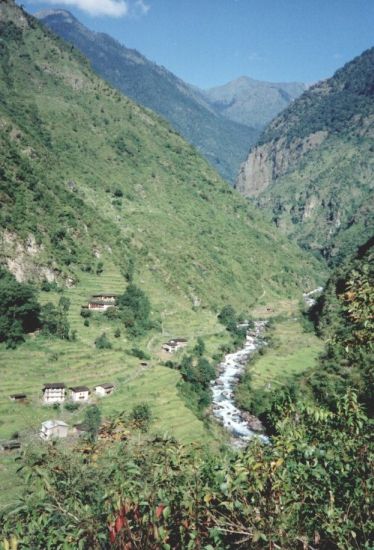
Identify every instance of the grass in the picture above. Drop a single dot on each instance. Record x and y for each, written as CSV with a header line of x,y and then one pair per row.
x,y
291,352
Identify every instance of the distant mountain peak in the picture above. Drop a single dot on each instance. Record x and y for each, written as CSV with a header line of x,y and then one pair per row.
x,y
60,12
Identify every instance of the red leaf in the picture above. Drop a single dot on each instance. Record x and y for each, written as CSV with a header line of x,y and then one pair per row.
x,y
118,524
159,509
112,534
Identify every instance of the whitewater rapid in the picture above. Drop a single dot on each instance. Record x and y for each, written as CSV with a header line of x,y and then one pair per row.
x,y
230,369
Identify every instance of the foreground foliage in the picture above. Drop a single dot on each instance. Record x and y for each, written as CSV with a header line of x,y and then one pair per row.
x,y
310,488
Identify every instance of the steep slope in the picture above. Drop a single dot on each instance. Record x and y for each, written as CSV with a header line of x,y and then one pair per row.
x,y
224,143
253,102
87,177
313,166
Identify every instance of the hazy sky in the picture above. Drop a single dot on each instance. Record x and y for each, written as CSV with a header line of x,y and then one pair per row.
x,y
209,42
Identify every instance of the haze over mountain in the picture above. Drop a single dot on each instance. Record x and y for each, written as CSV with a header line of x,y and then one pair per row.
x,y
251,101
222,132
312,169
224,143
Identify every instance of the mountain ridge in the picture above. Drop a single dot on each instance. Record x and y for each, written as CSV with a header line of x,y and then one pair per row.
x,y
224,143
253,101
89,176
311,169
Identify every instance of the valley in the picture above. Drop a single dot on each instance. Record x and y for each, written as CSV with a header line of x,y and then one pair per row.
x,y
154,319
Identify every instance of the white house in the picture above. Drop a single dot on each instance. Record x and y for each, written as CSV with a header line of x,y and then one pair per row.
x,y
174,345
101,302
104,389
80,393
54,393
53,429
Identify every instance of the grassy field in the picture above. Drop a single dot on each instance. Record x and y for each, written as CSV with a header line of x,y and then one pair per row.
x,y
291,352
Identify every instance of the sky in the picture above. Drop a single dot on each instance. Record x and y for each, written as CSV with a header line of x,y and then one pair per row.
x,y
210,42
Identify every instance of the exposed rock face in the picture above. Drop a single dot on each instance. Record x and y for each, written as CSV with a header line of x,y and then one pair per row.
x,y
312,168
268,162
22,258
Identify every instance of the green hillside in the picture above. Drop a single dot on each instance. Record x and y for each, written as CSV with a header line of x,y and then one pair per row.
x,y
87,175
224,143
96,191
312,169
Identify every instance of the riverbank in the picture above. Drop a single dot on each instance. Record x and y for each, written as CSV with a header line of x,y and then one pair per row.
x,y
234,420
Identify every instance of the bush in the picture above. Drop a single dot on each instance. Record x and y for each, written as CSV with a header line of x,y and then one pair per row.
x,y
140,354
71,406
102,342
141,416
85,312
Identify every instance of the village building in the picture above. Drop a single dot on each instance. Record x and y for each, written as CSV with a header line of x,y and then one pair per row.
x,y
80,393
103,390
101,302
81,429
53,429
18,397
54,393
174,345
11,445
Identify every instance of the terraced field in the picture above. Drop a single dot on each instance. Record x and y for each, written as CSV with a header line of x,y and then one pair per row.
x,y
40,360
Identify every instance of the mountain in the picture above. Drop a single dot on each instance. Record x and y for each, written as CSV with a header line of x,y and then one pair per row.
x,y
88,176
312,168
223,142
253,102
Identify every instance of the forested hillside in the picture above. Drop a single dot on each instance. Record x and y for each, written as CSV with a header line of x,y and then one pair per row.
x,y
88,176
224,143
312,169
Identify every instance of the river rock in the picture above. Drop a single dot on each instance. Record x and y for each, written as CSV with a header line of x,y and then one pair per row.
x,y
253,422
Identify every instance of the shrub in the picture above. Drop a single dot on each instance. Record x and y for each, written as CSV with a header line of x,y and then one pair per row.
x,y
102,342
85,312
141,416
140,354
71,406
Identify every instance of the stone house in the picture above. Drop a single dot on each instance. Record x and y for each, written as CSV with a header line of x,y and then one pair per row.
x,y
174,345
18,397
101,302
52,429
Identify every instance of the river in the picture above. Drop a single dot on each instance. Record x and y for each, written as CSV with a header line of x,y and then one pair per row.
x,y
230,370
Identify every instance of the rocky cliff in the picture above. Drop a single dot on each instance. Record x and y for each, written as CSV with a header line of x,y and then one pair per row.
x,y
312,169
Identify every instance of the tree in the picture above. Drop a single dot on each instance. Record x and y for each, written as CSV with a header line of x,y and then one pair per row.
x,y
19,309
92,420
141,415
199,348
135,308
55,320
